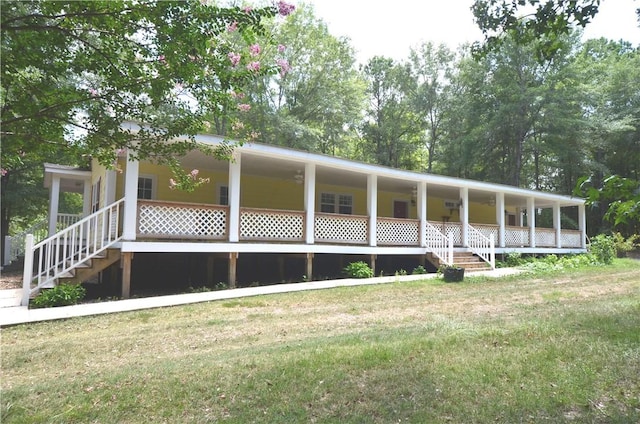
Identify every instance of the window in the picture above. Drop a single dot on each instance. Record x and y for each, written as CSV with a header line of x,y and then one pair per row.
x,y
336,203
145,188
327,202
345,205
223,195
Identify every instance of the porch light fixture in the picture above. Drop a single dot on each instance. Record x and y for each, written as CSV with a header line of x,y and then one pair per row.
x,y
492,201
414,195
298,178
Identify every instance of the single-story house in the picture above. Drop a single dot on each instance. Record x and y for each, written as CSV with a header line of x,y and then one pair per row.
x,y
270,207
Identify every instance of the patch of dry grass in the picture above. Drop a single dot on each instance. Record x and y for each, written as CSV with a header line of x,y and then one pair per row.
x,y
559,347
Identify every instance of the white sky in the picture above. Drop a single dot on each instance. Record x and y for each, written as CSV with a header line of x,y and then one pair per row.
x,y
390,28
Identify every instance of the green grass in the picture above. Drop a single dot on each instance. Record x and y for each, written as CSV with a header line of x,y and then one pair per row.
x,y
546,347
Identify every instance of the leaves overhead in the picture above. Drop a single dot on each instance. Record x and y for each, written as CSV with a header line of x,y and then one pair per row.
x,y
530,20
74,71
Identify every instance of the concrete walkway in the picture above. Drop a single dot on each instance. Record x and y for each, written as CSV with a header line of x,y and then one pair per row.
x,y
23,315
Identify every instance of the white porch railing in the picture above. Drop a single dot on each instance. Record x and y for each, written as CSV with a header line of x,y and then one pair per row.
x,y
453,228
516,236
66,220
571,238
57,255
343,229
439,244
398,232
482,246
181,220
178,220
272,225
14,245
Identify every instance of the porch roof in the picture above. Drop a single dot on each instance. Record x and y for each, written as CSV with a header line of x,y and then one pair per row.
x,y
279,162
72,178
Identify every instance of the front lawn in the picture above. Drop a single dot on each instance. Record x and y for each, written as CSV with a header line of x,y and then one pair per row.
x,y
544,347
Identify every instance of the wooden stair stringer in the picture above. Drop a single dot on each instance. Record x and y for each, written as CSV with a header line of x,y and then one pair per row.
x,y
89,269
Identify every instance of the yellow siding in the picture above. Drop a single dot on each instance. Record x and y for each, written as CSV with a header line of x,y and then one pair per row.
x,y
99,172
273,193
120,178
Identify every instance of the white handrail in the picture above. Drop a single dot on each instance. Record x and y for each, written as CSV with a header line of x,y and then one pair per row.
x,y
65,250
14,245
439,244
482,246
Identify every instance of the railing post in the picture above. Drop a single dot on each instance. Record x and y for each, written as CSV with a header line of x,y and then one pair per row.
x,y
7,250
28,269
492,251
450,249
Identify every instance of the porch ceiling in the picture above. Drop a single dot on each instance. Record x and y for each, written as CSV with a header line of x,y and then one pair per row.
x,y
261,165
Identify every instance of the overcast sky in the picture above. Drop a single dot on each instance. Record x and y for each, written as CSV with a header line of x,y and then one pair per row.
x,y
390,28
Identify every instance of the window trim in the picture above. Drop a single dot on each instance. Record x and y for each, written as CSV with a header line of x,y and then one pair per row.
x,y
154,185
336,202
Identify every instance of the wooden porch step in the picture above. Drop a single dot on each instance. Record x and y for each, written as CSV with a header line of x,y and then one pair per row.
x,y
91,268
466,260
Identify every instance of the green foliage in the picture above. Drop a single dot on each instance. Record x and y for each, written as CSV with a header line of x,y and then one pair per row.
x,y
623,246
358,269
60,295
514,259
72,72
619,196
401,272
603,248
550,20
419,270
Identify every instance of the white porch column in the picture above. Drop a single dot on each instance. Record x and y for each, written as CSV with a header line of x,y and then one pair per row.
x,y
130,198
54,199
309,202
531,221
234,197
582,225
500,219
422,212
372,207
464,214
557,224
86,198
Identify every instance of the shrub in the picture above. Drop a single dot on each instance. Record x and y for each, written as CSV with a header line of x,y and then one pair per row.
x,y
358,270
603,248
419,270
623,246
514,259
60,295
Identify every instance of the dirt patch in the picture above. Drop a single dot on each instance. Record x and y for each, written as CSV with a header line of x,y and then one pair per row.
x,y
11,276
10,280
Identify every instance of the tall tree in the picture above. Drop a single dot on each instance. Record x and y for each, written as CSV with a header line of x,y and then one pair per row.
x,y
74,71
432,69
392,126
315,101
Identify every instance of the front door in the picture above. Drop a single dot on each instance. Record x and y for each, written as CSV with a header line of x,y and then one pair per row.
x,y
400,209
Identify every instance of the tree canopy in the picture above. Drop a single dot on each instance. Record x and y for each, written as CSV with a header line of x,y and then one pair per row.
x,y
74,71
